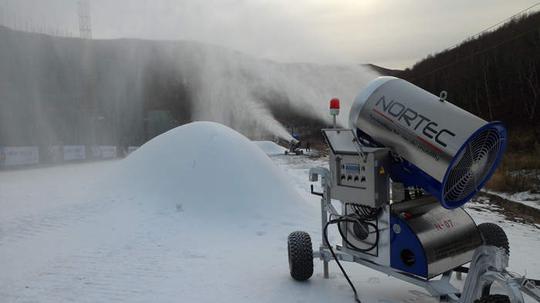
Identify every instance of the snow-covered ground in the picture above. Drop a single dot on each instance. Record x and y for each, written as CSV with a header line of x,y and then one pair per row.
x,y
199,214
270,148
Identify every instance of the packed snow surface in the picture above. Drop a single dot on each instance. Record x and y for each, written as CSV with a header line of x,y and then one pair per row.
x,y
270,148
198,214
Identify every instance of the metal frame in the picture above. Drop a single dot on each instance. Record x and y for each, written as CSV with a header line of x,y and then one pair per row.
x,y
488,265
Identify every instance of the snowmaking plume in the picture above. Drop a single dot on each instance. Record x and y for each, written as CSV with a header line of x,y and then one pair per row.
x,y
238,90
114,83
220,85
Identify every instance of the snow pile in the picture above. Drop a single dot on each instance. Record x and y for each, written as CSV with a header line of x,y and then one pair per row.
x,y
207,169
270,148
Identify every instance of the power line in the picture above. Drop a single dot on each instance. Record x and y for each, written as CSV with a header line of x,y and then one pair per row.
x,y
485,49
476,53
496,24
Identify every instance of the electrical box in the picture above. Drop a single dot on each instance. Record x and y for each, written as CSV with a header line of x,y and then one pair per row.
x,y
359,173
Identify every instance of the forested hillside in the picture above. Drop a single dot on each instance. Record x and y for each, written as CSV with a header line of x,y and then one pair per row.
x,y
495,76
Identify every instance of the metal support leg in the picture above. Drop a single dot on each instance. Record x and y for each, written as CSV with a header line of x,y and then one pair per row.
x,y
325,269
488,265
324,220
326,207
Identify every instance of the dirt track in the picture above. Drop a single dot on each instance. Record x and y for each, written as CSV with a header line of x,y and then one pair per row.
x,y
512,210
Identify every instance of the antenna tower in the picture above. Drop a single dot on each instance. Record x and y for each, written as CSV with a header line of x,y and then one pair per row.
x,y
85,22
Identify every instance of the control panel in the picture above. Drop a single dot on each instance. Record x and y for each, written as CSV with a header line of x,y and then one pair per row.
x,y
359,173
351,173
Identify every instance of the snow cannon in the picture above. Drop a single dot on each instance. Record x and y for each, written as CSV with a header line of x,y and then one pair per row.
x,y
399,175
437,146
294,146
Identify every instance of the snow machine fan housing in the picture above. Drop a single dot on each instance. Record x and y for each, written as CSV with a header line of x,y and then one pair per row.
x,y
447,151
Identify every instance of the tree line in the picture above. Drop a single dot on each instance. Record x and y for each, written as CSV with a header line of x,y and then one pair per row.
x,y
495,76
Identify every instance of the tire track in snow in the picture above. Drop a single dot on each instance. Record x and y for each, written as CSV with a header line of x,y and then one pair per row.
x,y
28,226
132,269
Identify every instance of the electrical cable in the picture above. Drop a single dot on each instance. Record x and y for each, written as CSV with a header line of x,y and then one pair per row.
x,y
367,214
496,24
362,215
354,247
483,50
325,234
474,54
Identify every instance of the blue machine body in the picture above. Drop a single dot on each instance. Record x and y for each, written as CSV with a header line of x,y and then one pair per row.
x,y
403,243
409,174
427,239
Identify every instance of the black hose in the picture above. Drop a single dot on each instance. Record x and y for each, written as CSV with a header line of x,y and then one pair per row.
x,y
359,221
362,215
325,234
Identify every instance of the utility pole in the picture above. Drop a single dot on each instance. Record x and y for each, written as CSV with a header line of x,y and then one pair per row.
x,y
2,15
85,22
85,130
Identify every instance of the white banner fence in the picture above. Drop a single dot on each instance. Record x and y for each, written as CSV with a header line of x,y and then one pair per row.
x,y
104,152
17,156
74,152
20,155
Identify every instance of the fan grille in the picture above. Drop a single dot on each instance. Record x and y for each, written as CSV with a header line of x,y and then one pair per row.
x,y
472,165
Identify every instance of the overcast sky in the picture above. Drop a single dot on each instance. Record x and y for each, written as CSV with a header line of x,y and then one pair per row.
x,y
391,33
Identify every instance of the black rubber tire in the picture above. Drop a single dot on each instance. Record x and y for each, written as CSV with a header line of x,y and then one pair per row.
x,y
493,234
493,299
300,255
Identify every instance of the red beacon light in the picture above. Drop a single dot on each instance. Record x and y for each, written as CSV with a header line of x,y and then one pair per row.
x,y
334,107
